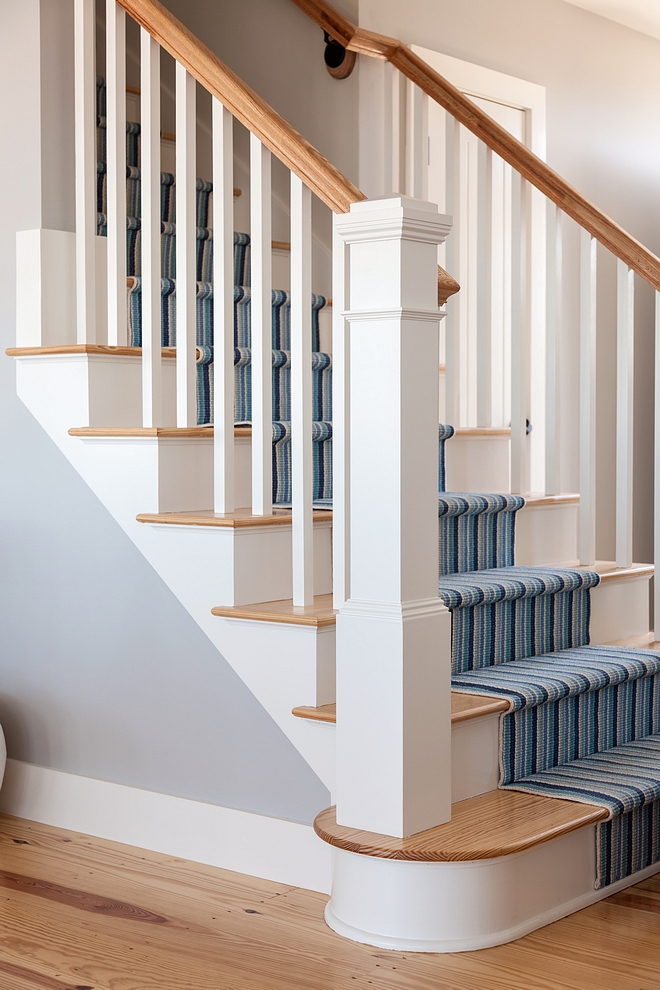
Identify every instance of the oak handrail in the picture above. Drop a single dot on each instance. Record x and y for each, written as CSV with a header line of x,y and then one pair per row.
x,y
608,233
326,181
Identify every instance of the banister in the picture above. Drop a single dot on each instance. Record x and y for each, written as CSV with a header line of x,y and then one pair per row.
x,y
326,181
608,233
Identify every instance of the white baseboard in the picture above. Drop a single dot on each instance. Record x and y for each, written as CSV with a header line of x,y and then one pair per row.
x,y
271,848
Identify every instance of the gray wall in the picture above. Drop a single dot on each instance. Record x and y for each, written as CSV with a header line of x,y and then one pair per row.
x,y
102,671
603,126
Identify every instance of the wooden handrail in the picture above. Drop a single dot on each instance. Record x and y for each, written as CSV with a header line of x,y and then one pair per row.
x,y
541,176
326,181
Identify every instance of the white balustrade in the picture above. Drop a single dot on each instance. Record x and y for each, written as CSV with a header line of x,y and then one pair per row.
x,y
625,384
340,421
587,512
484,284
262,334
85,156
152,387
223,307
186,247
519,337
656,472
452,255
115,95
302,473
553,324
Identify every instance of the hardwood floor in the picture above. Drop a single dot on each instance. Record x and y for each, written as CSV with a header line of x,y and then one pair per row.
x,y
78,913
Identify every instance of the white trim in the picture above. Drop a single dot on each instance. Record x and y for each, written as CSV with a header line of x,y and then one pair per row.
x,y
270,848
461,906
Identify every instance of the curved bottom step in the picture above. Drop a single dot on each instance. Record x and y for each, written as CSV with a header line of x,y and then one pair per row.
x,y
498,870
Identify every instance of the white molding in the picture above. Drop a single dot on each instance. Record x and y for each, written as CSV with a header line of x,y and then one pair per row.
x,y
462,906
271,848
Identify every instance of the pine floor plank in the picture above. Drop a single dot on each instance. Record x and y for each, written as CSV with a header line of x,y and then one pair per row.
x,y
80,913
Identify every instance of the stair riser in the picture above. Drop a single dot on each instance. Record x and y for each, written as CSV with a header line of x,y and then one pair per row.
x,y
477,463
546,534
619,609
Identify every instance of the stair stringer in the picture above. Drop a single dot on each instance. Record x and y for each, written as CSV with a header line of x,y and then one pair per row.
x,y
277,662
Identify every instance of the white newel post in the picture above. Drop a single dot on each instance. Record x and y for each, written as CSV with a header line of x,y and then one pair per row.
x,y
393,634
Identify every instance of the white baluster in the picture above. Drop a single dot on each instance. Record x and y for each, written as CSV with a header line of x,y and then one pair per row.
x,y
452,248
587,513
519,337
115,94
152,394
301,393
340,420
484,284
625,372
85,150
186,244
552,340
656,472
416,149
223,307
262,334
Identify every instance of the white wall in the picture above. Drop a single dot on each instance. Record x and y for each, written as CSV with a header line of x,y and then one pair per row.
x,y
603,94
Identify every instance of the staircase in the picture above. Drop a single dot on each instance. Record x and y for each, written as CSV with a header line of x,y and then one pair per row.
x,y
455,665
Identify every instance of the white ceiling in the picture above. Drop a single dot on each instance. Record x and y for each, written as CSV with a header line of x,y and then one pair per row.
x,y
641,15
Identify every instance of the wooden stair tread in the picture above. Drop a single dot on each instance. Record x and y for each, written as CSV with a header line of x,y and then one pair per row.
x,y
609,571
238,519
321,613
324,713
538,498
463,708
482,431
488,826
105,349
163,432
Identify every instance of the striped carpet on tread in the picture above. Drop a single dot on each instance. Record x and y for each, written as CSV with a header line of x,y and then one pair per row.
x,y
476,531
507,614
569,704
626,781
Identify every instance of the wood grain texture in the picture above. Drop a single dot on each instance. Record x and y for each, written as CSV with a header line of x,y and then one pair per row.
x,y
536,498
321,613
238,519
524,161
225,931
494,824
463,708
324,713
97,349
318,174
146,432
610,572
447,286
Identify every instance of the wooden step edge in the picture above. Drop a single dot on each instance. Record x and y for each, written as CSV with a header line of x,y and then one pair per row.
x,y
190,432
482,431
320,614
463,708
162,432
105,350
324,713
534,499
231,520
498,823
608,570
646,641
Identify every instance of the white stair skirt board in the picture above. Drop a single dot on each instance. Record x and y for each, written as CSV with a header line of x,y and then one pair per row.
x,y
271,848
478,462
619,609
455,907
277,662
546,534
